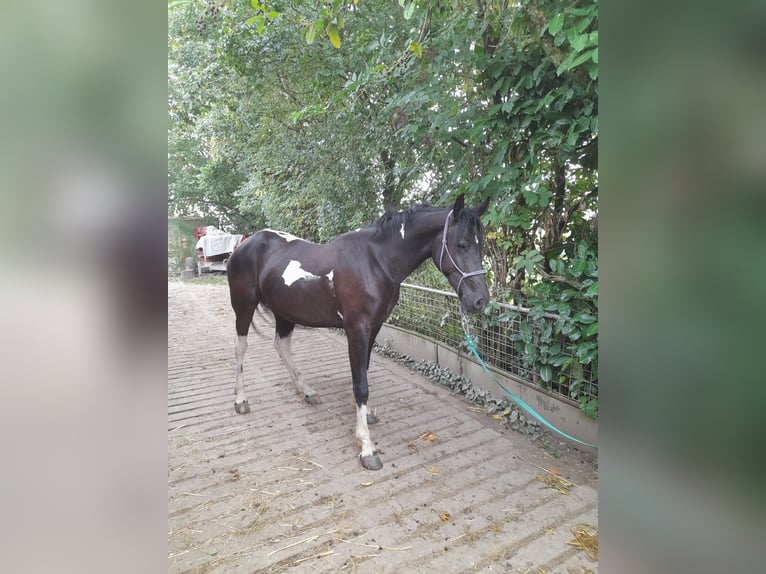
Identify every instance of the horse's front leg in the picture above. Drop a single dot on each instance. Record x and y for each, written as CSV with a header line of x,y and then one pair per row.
x,y
358,350
372,418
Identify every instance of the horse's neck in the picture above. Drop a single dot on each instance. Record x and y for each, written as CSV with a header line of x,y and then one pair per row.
x,y
420,233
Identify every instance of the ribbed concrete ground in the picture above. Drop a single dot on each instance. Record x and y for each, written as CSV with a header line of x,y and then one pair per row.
x,y
281,489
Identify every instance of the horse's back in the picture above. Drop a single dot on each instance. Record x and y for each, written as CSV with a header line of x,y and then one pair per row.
x,y
246,264
308,283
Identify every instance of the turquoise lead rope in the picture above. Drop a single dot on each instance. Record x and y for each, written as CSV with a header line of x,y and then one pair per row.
x,y
513,397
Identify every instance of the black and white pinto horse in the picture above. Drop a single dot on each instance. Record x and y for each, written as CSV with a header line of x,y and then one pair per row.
x,y
351,283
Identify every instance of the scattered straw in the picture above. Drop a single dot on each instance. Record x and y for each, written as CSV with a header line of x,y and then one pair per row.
x,y
556,483
427,436
307,540
375,546
554,472
586,538
294,498
309,461
320,555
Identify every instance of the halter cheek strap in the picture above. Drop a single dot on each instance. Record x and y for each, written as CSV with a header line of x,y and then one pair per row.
x,y
463,274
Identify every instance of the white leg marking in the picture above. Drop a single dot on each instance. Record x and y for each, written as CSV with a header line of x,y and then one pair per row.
x,y
363,432
402,231
240,347
294,272
285,353
340,315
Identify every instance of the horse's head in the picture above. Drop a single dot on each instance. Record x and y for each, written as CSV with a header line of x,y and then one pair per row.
x,y
457,253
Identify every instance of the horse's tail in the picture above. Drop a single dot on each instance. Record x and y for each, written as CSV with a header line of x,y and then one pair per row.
x,y
252,320
259,310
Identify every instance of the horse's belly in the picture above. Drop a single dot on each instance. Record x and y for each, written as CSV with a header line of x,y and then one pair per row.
x,y
300,296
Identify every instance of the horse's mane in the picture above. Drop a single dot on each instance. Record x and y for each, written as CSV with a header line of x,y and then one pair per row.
x,y
391,221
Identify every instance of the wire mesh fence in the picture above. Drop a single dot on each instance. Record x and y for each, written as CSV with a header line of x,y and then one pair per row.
x,y
501,334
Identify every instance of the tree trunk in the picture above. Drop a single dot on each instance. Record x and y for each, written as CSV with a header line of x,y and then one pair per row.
x,y
392,194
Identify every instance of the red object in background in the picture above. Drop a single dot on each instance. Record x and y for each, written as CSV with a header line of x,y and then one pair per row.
x,y
199,232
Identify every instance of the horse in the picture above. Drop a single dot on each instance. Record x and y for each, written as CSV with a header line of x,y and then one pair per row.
x,y
351,283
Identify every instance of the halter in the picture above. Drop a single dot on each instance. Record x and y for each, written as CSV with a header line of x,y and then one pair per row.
x,y
463,274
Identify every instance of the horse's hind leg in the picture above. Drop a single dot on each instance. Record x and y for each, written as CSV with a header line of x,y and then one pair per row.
x,y
244,311
282,344
240,402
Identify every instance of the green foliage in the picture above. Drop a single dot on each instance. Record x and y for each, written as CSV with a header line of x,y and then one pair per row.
x,y
558,338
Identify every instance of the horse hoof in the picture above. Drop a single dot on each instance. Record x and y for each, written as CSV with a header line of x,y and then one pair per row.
x,y
371,462
312,399
372,419
242,408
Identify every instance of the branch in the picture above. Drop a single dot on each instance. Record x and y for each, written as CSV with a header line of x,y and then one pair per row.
x,y
457,141
560,279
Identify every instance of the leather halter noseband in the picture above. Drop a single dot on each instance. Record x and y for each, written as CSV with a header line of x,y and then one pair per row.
x,y
463,274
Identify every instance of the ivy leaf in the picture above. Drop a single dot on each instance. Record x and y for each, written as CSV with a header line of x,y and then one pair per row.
x,y
584,57
585,318
577,41
332,33
546,373
311,33
416,49
554,26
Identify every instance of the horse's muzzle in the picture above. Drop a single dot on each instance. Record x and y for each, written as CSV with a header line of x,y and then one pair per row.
x,y
475,304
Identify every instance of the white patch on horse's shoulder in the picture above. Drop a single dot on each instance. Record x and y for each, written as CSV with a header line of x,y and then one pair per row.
x,y
294,272
476,237
332,285
284,235
340,315
402,231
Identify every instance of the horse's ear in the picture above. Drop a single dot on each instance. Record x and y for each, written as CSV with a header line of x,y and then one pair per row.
x,y
482,207
458,207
